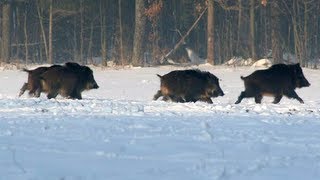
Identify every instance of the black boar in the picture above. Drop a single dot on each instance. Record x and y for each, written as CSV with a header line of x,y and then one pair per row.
x,y
74,66
276,81
189,86
33,85
69,81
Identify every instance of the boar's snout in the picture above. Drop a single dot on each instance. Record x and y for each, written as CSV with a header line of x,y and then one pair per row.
x,y
217,93
92,85
306,83
95,85
220,92
303,82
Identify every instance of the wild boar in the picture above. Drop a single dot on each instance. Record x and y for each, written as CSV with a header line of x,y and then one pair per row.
x,y
188,86
33,85
69,81
277,81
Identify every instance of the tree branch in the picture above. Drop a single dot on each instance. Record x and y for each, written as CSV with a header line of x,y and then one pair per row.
x,y
228,8
183,37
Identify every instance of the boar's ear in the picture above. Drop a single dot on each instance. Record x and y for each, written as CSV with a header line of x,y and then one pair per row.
x,y
297,68
86,70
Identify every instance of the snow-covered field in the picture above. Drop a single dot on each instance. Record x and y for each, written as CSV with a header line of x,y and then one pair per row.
x,y
118,132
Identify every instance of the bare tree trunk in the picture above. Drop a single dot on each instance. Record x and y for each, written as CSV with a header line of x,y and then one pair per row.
x,y
89,54
219,46
230,41
0,38
17,25
40,49
252,30
139,31
50,60
120,32
6,29
266,31
81,31
239,26
26,37
42,30
75,47
296,29
210,33
317,29
276,39
103,32
305,36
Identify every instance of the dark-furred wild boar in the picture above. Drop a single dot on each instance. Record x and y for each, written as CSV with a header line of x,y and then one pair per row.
x,y
69,81
33,85
189,86
277,81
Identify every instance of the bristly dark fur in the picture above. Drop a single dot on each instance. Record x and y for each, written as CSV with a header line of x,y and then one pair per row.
x,y
68,81
33,85
188,86
277,81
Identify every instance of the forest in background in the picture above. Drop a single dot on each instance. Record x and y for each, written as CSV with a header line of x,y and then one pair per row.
x,y
141,32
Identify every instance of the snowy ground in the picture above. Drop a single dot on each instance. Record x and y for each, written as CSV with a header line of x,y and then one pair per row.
x,y
118,132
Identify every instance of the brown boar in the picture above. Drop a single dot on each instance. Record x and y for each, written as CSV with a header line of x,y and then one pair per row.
x,y
279,80
33,85
69,81
189,86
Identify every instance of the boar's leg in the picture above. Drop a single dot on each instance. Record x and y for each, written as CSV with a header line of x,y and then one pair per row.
x,y
277,99
23,89
258,98
242,95
157,95
75,95
166,98
177,99
240,98
52,94
247,94
78,96
170,98
294,95
190,99
206,99
38,92
33,92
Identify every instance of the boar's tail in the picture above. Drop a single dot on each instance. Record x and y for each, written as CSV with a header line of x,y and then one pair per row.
x,y
159,76
25,70
242,77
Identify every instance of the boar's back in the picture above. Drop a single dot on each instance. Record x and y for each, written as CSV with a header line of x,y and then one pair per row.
x,y
277,78
185,82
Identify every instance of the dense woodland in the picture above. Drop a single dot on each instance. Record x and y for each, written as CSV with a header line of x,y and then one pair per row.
x,y
147,32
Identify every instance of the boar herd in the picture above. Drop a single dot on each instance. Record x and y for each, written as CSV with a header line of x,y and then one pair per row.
x,y
192,85
71,79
